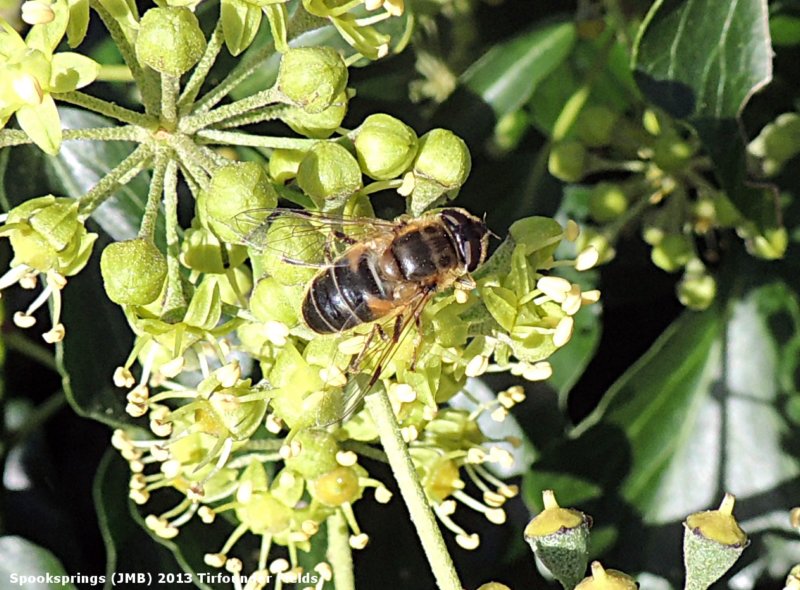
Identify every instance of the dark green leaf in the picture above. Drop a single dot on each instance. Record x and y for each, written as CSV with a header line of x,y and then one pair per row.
x,y
98,340
26,561
701,60
701,414
509,73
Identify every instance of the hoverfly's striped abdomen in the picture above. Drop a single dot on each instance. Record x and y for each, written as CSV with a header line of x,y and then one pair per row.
x,y
339,298
423,253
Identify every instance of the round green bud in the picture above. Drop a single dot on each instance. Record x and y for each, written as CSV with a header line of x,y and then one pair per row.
x,y
235,188
493,586
607,201
319,125
567,161
337,487
329,172
298,241
672,252
697,289
444,158
133,271
283,164
170,40
671,153
385,146
595,125
312,78
317,455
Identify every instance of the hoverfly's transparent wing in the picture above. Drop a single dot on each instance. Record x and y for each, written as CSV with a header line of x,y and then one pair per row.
x,y
380,347
306,238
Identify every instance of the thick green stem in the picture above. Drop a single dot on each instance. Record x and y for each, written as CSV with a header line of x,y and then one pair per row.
x,y
121,174
200,121
268,113
147,229
339,554
194,159
144,79
106,108
410,488
175,301
170,86
201,70
234,138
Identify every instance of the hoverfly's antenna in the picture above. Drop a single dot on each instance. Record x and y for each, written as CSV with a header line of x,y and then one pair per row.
x,y
488,231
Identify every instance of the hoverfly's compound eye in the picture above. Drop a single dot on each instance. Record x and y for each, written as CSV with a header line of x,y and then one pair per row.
x,y
470,235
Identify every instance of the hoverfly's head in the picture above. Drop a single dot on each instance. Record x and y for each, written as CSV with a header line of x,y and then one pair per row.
x,y
470,235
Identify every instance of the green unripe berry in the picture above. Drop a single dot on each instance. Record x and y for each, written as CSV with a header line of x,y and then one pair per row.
x,y
312,78
444,158
607,202
385,146
133,271
283,164
336,487
567,161
330,173
319,125
235,188
170,40
672,252
595,125
671,153
697,289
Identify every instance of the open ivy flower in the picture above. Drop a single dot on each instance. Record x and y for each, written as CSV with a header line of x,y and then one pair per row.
x,y
30,74
51,242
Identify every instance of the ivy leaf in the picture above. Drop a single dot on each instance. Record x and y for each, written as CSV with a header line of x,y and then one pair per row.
x,y
22,558
701,61
702,413
508,74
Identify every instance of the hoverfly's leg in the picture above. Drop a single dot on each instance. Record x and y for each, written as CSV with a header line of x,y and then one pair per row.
x,y
417,338
359,358
303,263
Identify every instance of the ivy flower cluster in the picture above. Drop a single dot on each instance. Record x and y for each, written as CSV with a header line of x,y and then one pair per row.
x,y
667,193
243,403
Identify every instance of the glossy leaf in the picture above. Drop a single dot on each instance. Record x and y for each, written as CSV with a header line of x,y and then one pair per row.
x,y
702,413
701,60
27,561
507,75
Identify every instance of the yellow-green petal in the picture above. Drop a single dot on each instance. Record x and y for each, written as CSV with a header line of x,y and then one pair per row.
x,y
72,70
42,124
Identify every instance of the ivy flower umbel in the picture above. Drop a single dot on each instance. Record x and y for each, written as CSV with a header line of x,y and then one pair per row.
x,y
30,74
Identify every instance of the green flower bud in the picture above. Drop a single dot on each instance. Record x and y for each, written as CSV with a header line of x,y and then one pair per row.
x,y
444,158
603,579
595,125
494,586
777,143
298,241
560,537
283,164
235,188
312,78
170,40
329,174
607,201
697,288
337,487
771,244
385,146
567,161
133,271
712,542
671,153
317,455
319,125
509,131
672,252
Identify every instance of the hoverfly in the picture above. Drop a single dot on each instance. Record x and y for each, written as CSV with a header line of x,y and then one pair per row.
x,y
384,271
